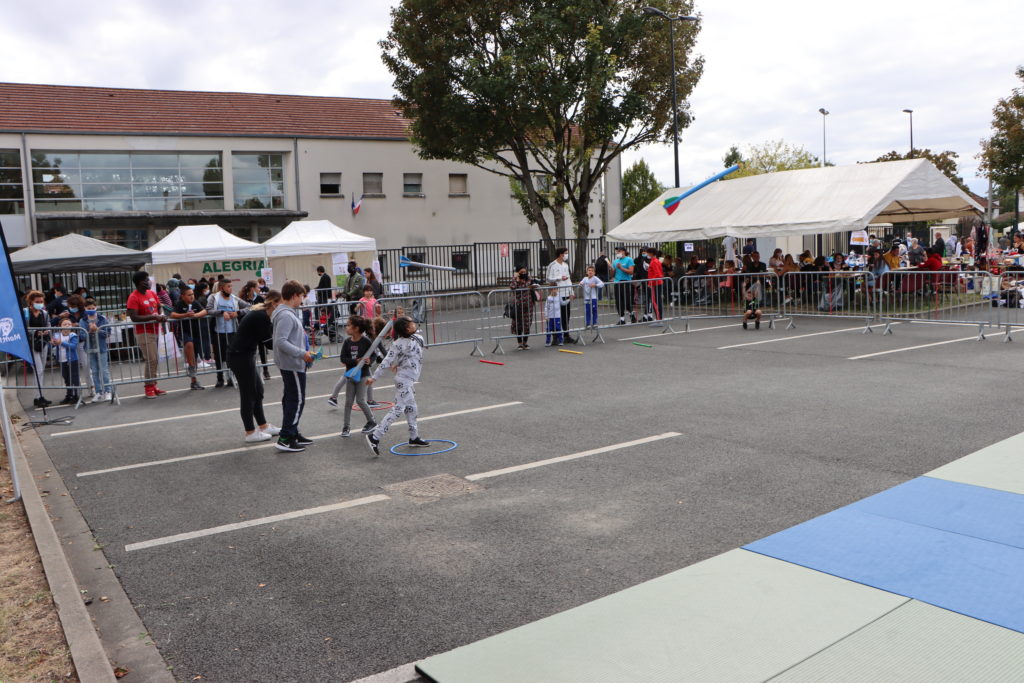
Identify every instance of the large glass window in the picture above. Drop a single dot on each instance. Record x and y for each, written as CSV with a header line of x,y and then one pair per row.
x,y
259,181
127,181
12,189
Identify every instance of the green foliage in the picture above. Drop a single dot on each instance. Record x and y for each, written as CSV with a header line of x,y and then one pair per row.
x,y
639,188
1002,155
732,157
772,156
944,161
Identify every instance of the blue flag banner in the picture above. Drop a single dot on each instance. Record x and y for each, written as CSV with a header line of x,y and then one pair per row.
x,y
13,335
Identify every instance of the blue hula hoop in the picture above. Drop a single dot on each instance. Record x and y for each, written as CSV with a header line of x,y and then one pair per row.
x,y
443,450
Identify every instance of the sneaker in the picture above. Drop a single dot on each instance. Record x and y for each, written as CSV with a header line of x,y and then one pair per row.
x,y
68,401
332,402
374,444
157,391
257,436
547,343
622,321
632,317
290,445
345,432
757,324
303,441
272,430
230,384
149,391
744,324
266,375
196,386
219,384
418,442
369,427
98,398
373,404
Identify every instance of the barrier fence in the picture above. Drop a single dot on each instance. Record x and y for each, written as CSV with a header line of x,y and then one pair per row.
x,y
106,358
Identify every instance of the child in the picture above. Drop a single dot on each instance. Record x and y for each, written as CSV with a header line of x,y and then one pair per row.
x,y
292,355
367,307
752,310
66,347
377,326
191,317
592,286
406,358
553,313
94,342
352,351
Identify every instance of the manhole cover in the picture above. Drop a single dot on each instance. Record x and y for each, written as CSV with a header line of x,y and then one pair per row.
x,y
429,489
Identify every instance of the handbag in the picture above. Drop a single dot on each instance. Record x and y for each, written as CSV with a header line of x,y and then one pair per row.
x,y
508,311
167,346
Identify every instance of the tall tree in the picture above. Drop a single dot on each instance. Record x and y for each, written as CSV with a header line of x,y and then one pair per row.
x,y
772,156
1002,155
539,87
639,188
944,161
732,157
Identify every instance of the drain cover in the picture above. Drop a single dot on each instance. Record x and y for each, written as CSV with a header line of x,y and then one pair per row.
x,y
429,489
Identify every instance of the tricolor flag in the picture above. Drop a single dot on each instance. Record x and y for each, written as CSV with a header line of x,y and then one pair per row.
x,y
356,205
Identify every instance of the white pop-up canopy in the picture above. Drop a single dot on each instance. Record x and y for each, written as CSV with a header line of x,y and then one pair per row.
x,y
194,243
302,238
809,201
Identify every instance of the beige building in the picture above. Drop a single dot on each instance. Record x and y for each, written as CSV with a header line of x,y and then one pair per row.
x,y
128,166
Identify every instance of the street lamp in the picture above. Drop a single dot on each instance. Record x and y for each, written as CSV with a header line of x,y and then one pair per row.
x,y
824,113
911,112
655,12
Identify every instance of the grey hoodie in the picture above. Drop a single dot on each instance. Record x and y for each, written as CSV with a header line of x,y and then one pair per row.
x,y
289,339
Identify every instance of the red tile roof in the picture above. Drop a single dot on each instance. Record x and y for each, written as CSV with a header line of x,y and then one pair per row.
x,y
74,109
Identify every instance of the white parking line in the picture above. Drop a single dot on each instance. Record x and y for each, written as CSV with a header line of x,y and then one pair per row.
x,y
574,456
175,391
270,444
796,336
920,346
260,521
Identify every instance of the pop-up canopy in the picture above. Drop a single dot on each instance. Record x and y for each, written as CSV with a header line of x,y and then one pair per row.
x,y
809,201
76,253
302,238
193,243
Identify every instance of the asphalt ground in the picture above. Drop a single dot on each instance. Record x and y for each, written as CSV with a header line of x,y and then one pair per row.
x,y
774,427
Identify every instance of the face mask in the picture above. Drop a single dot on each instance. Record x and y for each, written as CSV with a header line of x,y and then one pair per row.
x,y
191,286
73,309
91,313
39,307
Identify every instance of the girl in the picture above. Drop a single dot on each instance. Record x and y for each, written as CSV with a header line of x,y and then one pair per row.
x,y
65,345
252,294
255,328
406,358
352,351
368,307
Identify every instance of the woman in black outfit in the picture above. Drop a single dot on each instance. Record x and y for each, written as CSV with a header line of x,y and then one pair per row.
x,y
252,294
255,329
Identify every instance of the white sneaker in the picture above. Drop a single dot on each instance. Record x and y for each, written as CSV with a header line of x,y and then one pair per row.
x,y
257,436
271,430
97,398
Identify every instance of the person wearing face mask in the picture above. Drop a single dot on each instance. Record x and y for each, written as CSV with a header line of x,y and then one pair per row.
x,y
37,321
94,344
354,286
76,314
523,300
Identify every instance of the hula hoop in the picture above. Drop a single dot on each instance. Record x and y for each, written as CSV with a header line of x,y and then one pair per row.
x,y
382,405
444,450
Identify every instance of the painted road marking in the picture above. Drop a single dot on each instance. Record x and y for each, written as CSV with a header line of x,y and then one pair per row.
x,y
270,444
798,336
920,346
260,521
573,456
175,391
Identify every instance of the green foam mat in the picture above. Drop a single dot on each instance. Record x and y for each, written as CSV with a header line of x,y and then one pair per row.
x,y
736,617
999,466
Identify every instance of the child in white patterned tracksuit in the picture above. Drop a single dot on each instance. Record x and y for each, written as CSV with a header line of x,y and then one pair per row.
x,y
553,314
405,357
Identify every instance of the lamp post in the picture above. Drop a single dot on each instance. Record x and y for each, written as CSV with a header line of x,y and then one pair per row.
x,y
824,113
911,112
654,11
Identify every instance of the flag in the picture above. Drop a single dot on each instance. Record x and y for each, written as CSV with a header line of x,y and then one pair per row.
x,y
13,335
356,205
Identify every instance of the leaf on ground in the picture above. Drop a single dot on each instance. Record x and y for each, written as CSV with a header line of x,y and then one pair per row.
x,y
120,672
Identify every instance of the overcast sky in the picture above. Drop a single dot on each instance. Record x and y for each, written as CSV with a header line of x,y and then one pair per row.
x,y
769,66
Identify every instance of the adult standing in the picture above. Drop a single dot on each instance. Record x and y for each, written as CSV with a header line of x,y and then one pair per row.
x,y
939,246
255,330
375,283
174,285
37,322
324,313
622,267
323,286
144,310
524,299
225,308
558,275
640,267
729,244
253,295
916,254
354,286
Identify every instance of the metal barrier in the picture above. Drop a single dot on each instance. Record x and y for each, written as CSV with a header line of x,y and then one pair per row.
x,y
59,363
723,295
528,312
839,294
938,297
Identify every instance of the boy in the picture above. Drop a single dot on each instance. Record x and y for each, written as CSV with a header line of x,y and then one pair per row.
x,y
94,342
292,356
192,323
592,286
66,348
752,310
553,313
144,310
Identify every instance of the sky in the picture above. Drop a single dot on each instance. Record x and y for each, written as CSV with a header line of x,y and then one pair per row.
x,y
769,67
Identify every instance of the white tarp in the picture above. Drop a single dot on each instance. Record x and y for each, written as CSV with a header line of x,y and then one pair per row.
x,y
196,243
303,238
806,202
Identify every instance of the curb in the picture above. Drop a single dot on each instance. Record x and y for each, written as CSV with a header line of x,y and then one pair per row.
x,y
66,546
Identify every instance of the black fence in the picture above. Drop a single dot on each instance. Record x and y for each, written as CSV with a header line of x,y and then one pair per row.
x,y
109,288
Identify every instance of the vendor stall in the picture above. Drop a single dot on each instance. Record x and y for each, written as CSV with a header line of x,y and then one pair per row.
x,y
206,251
295,252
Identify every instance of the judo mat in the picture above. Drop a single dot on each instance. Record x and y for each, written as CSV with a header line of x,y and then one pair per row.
x,y
736,617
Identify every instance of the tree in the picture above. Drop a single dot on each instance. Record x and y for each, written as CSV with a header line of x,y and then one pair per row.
x,y
1002,155
944,161
732,157
527,88
769,157
639,188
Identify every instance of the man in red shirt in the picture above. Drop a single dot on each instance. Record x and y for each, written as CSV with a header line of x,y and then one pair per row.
x,y
657,285
144,310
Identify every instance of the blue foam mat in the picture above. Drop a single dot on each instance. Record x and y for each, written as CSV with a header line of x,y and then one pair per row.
x,y
972,576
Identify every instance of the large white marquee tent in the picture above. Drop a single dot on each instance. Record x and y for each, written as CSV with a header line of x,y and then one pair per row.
x,y
205,250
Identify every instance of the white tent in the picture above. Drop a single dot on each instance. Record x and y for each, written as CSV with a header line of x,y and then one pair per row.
x,y
296,251
204,251
805,202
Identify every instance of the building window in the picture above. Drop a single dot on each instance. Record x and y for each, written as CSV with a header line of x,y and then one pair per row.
x,y
330,184
458,185
412,184
12,189
127,181
258,181
460,261
373,184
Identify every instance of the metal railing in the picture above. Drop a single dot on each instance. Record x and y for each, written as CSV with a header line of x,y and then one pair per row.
x,y
724,295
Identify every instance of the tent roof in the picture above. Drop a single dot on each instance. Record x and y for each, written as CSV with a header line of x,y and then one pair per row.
x,y
76,252
807,201
192,243
301,238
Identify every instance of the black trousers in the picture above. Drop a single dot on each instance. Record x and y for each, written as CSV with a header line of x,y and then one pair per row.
x,y
69,371
566,307
250,390
624,297
293,401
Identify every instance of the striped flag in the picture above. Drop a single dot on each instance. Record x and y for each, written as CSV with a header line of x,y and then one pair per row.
x,y
356,205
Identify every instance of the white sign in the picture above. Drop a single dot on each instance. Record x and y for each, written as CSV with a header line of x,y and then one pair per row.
x,y
859,238
339,263
688,246
268,276
398,288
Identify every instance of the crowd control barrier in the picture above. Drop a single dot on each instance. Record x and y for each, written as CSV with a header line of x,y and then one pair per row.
x,y
60,365
723,295
945,297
